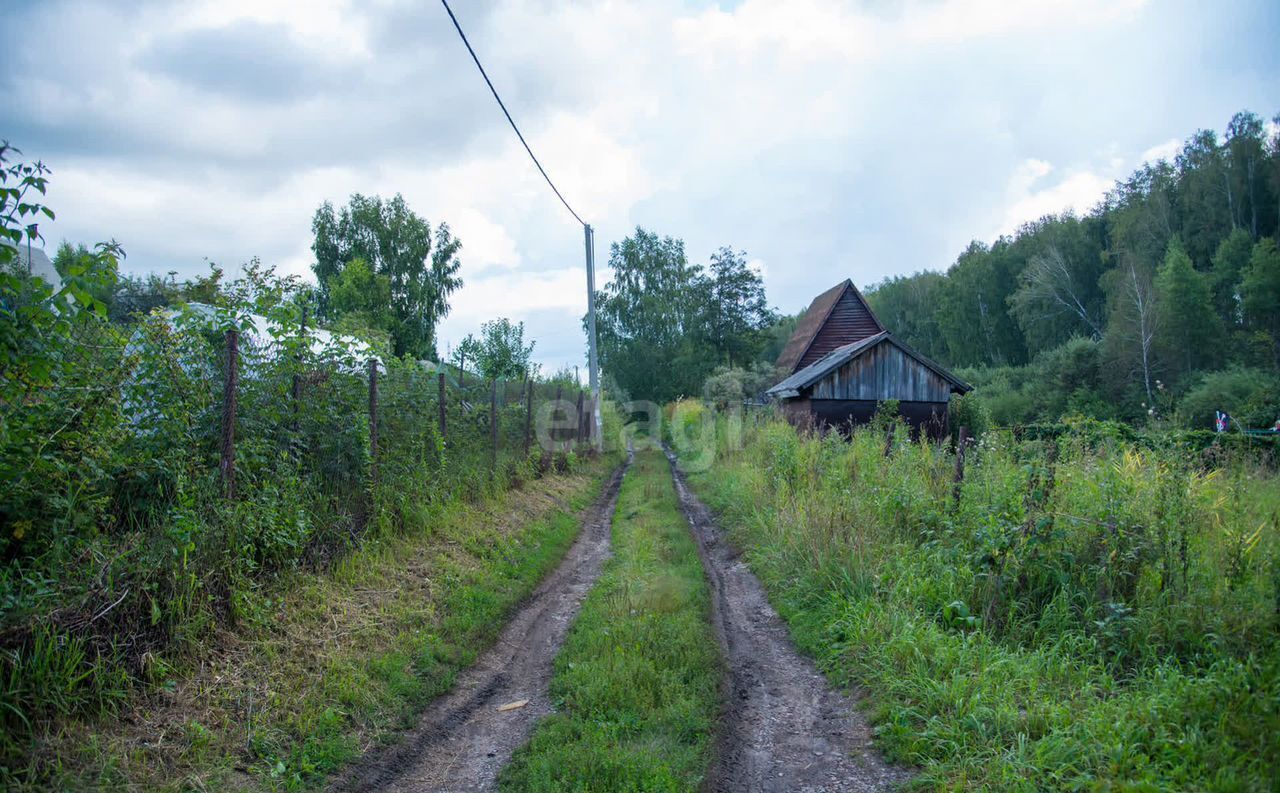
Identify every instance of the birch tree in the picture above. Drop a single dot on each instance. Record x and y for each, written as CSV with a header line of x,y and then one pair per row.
x,y
1131,329
1049,289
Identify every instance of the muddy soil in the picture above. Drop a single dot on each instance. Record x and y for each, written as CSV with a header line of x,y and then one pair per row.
x,y
463,739
784,728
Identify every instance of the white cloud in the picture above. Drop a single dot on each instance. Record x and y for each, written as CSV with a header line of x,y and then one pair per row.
x,y
1077,192
828,139
518,296
1029,198
958,21
332,24
487,245
1161,151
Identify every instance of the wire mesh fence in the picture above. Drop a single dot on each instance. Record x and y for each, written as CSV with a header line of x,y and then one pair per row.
x,y
158,473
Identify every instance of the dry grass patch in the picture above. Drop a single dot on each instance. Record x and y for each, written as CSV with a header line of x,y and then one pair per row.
x,y
323,666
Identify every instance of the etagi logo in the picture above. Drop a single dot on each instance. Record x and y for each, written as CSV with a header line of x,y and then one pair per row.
x,y
695,432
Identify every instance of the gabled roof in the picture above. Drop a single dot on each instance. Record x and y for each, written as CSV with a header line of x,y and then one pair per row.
x,y
815,318
791,386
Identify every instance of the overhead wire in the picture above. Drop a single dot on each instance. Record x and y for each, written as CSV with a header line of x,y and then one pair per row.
x,y
510,120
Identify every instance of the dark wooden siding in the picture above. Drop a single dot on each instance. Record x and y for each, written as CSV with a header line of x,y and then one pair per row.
x,y
845,414
848,322
883,372
808,326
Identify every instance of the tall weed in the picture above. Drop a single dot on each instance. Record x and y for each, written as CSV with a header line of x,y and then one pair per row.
x,y
1088,614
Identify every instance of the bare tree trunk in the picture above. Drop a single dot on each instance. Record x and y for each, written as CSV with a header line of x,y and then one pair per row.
x,y
1049,277
1146,327
1231,206
1253,202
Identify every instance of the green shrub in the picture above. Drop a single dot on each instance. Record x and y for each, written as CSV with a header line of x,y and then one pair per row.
x,y
1251,396
969,410
1099,610
119,548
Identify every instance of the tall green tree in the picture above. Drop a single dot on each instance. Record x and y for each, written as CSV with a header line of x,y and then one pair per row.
x,y
420,264
1247,197
1228,266
649,319
1273,170
777,335
1058,295
1128,348
907,305
1203,215
973,312
1190,331
736,312
500,352
1260,293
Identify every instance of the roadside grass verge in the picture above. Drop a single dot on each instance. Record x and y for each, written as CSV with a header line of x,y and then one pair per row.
x,y
327,665
1036,636
636,682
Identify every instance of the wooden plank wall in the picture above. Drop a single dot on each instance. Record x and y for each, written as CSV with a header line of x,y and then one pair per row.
x,y
848,322
883,372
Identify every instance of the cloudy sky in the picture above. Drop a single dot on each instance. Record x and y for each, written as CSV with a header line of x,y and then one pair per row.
x,y
827,139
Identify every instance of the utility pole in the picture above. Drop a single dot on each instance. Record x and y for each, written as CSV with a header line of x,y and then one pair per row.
x,y
593,362
588,234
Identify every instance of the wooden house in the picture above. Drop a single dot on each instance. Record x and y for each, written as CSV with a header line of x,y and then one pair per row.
x,y
841,362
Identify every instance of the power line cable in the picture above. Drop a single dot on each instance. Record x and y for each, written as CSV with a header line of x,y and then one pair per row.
x,y
510,120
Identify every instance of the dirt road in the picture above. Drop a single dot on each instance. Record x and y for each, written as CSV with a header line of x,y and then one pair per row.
x,y
784,728
464,740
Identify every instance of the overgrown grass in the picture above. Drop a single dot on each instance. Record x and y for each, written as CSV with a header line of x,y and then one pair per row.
x,y
636,680
324,665
126,544
1104,621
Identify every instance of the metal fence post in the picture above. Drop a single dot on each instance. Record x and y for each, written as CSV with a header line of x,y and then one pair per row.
x,y
442,409
373,420
577,439
227,464
555,413
295,391
528,415
493,428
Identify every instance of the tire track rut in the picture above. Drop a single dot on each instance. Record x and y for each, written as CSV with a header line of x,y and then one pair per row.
x,y
783,728
462,741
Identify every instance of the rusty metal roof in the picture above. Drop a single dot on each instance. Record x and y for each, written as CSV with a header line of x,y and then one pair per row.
x,y
806,377
835,318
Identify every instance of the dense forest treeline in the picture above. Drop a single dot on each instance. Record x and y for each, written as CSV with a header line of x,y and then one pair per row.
x,y
1160,305
1162,302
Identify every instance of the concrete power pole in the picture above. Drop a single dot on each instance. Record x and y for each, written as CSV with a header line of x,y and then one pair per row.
x,y
592,359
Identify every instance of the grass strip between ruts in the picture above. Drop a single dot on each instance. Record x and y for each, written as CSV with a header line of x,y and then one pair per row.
x,y
636,683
